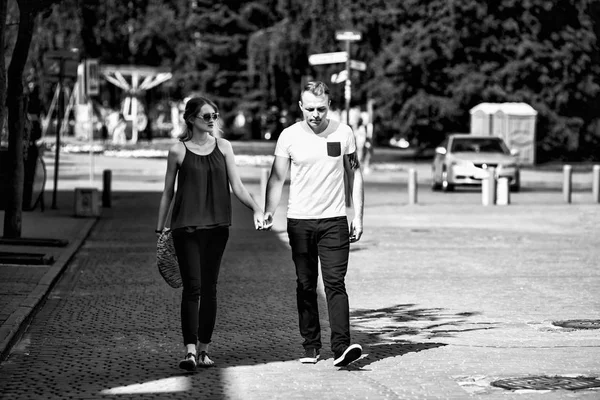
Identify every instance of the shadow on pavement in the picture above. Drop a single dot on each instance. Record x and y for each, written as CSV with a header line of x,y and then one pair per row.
x,y
401,329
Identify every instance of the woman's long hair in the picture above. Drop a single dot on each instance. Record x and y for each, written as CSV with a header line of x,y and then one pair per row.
x,y
192,108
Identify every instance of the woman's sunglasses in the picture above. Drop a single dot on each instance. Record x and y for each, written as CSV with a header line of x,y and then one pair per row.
x,y
208,117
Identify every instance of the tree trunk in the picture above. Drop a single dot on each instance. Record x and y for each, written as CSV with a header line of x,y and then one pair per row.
x,y
15,100
3,15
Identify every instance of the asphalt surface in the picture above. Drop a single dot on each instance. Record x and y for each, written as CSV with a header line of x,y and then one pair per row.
x,y
447,296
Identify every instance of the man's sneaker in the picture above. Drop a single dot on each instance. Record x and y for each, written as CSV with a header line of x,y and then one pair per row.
x,y
351,354
189,362
311,356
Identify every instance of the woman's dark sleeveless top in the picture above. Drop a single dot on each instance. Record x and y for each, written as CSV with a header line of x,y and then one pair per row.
x,y
203,199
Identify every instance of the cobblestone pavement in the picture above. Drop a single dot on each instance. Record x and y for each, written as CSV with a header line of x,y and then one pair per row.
x,y
23,287
445,299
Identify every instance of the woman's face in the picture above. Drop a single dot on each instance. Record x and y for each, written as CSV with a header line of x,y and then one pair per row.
x,y
206,118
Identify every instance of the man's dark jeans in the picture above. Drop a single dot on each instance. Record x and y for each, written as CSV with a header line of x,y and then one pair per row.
x,y
326,240
199,256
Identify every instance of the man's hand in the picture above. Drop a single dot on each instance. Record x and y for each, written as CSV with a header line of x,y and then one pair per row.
x,y
259,219
267,221
356,230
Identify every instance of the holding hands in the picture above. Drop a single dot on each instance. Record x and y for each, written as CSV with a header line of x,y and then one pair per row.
x,y
258,220
267,221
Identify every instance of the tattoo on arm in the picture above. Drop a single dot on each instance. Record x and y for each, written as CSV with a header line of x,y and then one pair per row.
x,y
353,159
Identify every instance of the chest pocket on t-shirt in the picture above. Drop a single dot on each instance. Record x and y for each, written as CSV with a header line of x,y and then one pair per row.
x,y
334,149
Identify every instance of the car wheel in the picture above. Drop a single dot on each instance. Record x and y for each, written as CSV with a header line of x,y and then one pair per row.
x,y
516,186
446,186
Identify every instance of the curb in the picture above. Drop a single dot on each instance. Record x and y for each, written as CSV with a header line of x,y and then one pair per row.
x,y
17,322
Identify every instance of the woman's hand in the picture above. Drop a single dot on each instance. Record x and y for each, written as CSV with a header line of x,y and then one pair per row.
x,y
259,218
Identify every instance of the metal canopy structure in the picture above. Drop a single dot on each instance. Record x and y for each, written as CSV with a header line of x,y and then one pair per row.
x,y
134,80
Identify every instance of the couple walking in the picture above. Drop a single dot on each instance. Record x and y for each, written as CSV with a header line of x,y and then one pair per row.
x,y
322,156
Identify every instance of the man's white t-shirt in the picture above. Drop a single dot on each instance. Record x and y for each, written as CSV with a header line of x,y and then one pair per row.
x,y
317,168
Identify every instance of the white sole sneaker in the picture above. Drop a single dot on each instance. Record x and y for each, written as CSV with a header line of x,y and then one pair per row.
x,y
351,354
310,359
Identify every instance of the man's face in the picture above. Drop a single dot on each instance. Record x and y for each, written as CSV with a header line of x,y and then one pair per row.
x,y
314,108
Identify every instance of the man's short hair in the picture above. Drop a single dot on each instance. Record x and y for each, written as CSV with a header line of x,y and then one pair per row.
x,y
317,88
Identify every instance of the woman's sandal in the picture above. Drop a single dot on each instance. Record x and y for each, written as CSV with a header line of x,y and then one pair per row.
x,y
189,362
204,361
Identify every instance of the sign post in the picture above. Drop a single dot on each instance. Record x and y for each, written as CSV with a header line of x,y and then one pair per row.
x,y
348,36
342,57
60,64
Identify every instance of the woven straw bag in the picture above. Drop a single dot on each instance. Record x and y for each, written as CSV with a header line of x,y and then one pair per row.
x,y
166,259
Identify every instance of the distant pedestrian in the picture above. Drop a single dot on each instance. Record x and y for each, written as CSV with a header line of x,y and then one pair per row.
x,y
104,132
204,167
119,135
365,162
320,151
361,139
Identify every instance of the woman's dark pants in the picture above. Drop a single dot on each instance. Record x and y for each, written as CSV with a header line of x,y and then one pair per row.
x,y
199,256
326,240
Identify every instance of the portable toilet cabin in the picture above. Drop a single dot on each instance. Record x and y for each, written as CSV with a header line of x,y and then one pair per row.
x,y
513,122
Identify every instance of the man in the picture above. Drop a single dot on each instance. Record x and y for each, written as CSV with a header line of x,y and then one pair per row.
x,y
320,151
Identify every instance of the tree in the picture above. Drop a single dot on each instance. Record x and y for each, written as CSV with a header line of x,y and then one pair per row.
x,y
278,54
3,16
429,61
450,56
17,108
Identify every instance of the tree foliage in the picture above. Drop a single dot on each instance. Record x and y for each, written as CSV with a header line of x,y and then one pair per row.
x,y
429,61
450,56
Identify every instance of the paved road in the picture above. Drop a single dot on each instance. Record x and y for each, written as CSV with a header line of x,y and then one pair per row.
x,y
446,297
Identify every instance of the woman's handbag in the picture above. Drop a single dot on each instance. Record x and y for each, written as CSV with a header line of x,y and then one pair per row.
x,y
166,259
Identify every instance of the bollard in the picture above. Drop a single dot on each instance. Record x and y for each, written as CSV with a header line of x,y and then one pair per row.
x,y
412,186
567,182
264,178
106,188
503,192
596,183
488,188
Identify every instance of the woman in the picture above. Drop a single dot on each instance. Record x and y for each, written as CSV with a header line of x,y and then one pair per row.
x,y
204,166
119,131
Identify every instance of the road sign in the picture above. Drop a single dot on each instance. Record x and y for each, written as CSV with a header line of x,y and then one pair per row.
x,y
358,65
339,77
92,79
57,67
66,54
61,63
328,58
348,35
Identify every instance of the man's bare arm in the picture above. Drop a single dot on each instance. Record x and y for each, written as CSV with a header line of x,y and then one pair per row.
x,y
275,183
355,180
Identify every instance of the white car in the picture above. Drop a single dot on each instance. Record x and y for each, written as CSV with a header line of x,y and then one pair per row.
x,y
463,159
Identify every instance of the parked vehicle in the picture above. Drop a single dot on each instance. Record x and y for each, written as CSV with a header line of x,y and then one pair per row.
x,y
463,159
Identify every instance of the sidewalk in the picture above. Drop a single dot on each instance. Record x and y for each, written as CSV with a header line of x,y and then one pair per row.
x,y
24,287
